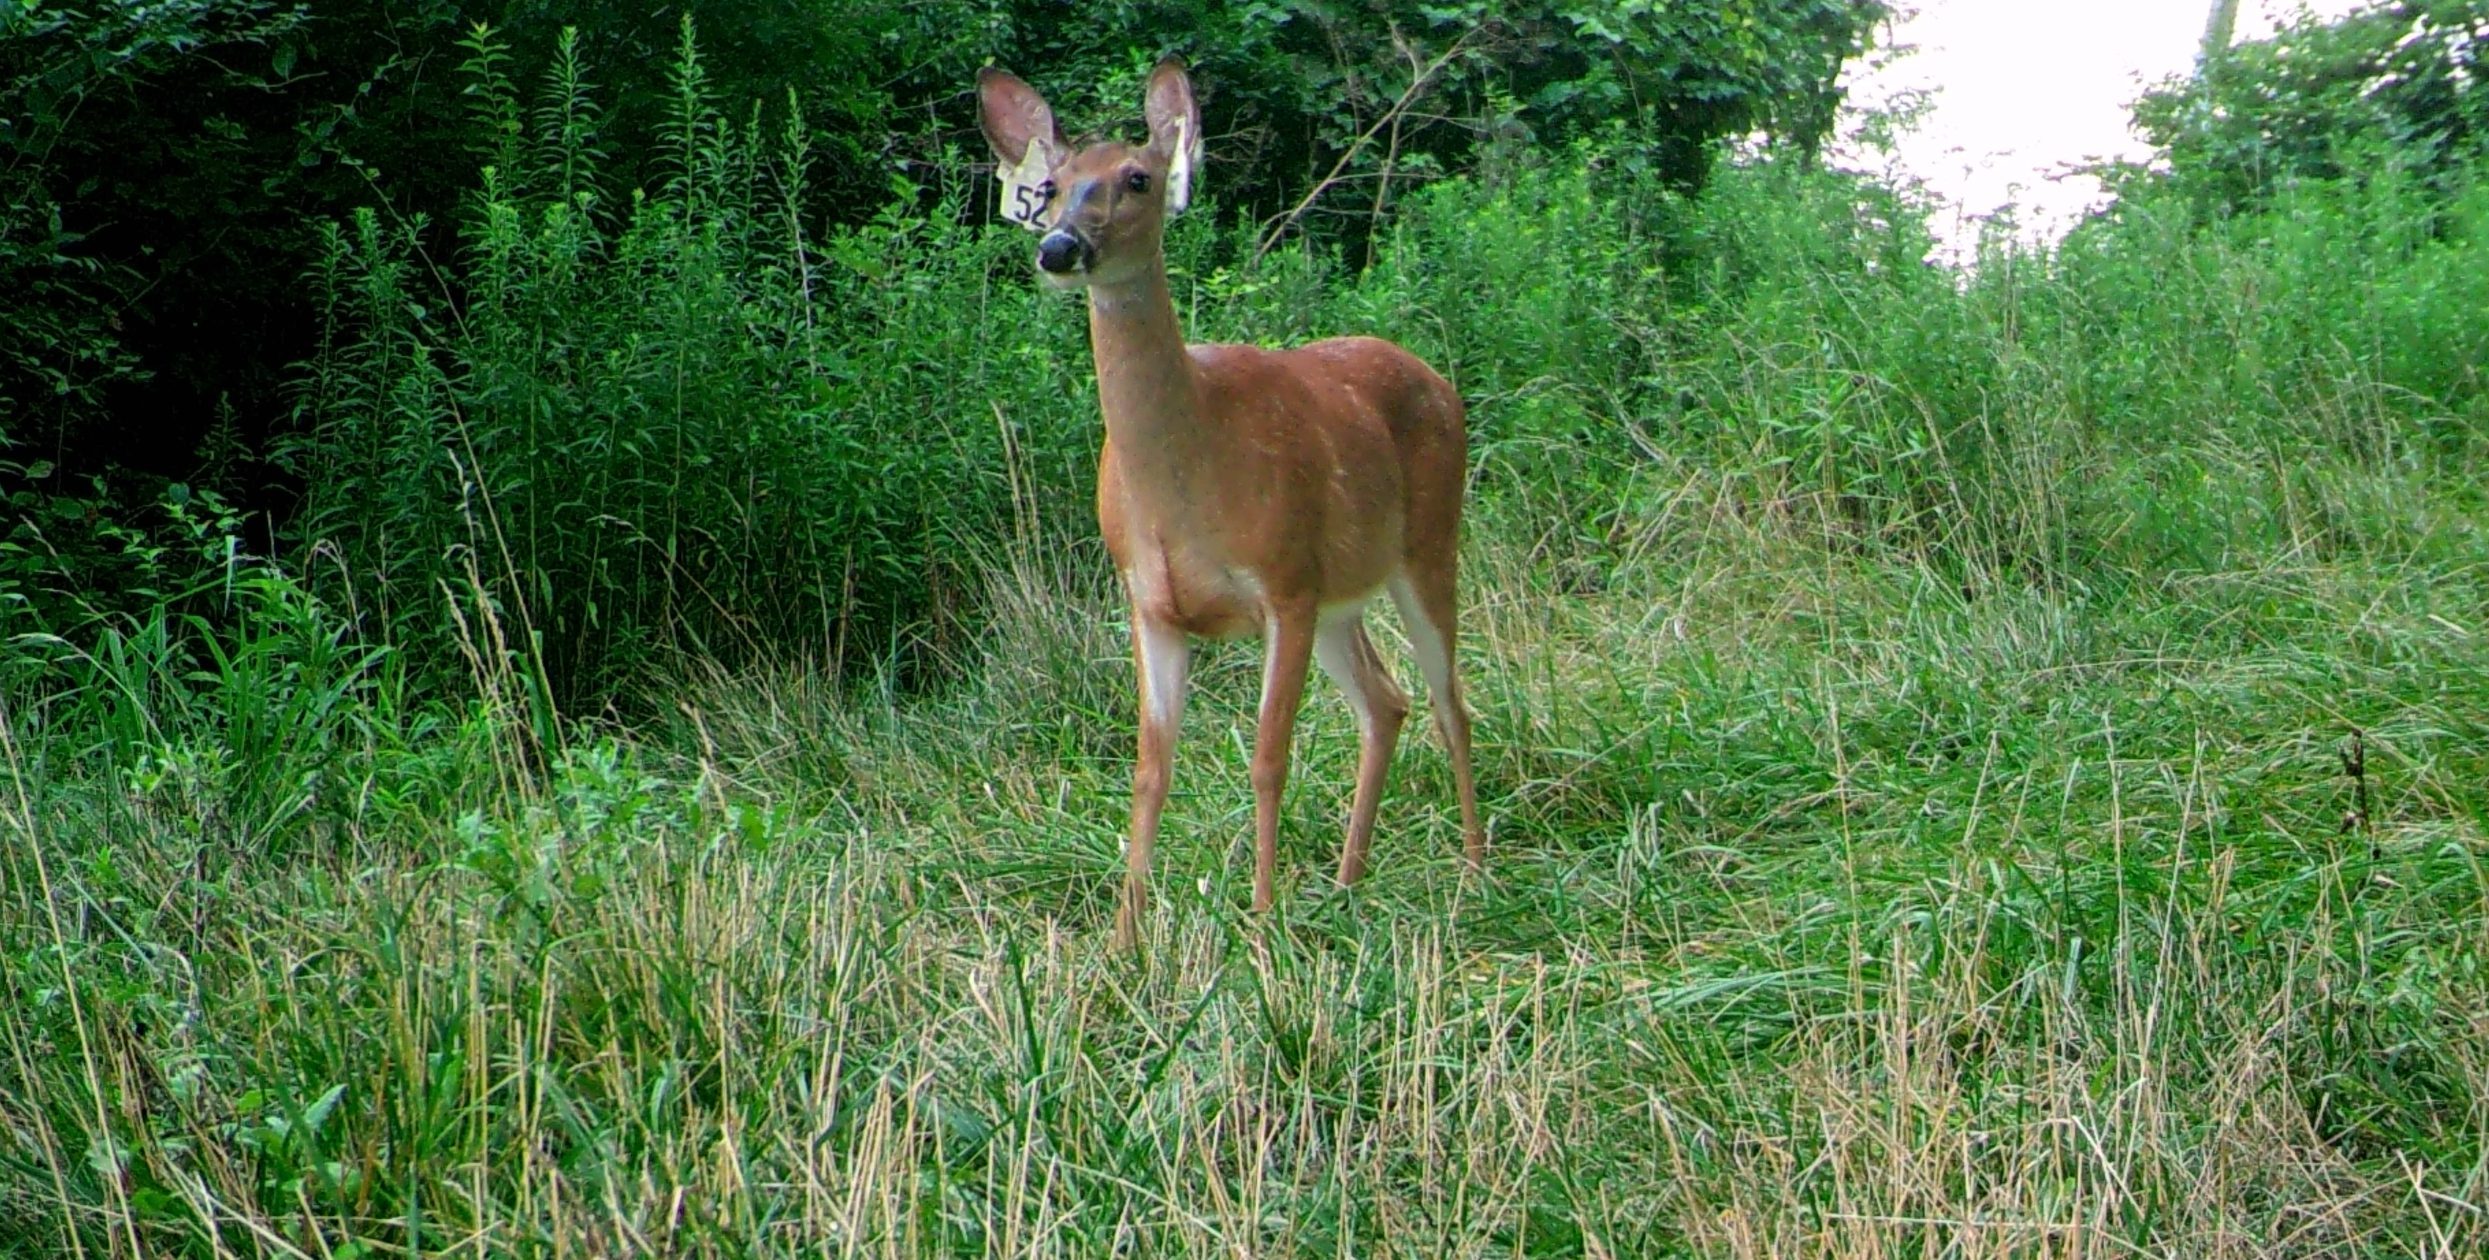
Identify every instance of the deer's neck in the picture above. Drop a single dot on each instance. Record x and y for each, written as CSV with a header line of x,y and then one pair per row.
x,y
1147,389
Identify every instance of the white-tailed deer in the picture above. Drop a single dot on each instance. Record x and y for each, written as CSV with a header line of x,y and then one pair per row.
x,y
1244,490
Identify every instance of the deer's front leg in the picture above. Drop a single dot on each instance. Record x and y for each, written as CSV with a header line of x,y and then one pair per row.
x,y
1288,647
1161,658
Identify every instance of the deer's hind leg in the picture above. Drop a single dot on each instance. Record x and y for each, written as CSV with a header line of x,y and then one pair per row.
x,y
1429,602
1348,657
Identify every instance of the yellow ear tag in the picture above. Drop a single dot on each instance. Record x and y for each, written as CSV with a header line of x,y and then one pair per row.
x,y
1023,200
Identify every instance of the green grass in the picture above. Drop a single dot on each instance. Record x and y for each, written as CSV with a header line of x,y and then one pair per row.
x,y
1912,721
1833,911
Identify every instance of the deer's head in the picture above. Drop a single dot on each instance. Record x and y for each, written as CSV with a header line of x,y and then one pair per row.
x,y
1100,210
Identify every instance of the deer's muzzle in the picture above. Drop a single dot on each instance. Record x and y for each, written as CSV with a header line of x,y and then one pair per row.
x,y
1062,253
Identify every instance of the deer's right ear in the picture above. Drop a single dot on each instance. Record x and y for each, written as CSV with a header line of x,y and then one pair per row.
x,y
1026,143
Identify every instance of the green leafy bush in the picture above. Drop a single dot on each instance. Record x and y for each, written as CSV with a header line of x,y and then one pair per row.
x,y
679,422
2392,85
162,166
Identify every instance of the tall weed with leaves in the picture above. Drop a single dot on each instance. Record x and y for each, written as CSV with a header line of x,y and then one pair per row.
x,y
675,422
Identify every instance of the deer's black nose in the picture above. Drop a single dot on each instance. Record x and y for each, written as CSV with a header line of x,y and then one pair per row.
x,y
1061,253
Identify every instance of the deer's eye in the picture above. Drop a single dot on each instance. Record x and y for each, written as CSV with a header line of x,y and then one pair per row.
x,y
1137,181
1045,191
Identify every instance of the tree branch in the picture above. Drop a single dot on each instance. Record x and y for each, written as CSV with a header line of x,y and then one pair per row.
x,y
1279,225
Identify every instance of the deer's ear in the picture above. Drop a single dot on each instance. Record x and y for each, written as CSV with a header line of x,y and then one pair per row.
x,y
1174,128
1026,142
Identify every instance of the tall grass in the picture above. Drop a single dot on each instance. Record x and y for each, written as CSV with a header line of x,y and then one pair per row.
x,y
1978,766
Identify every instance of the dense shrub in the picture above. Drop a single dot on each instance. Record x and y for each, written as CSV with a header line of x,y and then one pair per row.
x,y
162,166
2395,85
678,420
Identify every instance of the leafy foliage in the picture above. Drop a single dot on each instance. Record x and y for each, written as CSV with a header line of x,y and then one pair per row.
x,y
1297,91
2395,84
676,421
82,144
158,194
680,423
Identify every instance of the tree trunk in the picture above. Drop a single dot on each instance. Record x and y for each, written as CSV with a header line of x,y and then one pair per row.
x,y
2217,32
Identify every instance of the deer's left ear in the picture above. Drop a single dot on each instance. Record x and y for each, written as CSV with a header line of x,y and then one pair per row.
x,y
1174,128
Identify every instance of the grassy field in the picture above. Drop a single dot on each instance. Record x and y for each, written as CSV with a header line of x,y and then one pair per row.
x,y
1834,910
2059,837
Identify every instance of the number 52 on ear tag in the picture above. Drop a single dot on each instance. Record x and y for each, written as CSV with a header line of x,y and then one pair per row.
x,y
1023,195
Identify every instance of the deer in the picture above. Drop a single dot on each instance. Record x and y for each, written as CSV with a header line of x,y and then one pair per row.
x,y
1244,490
